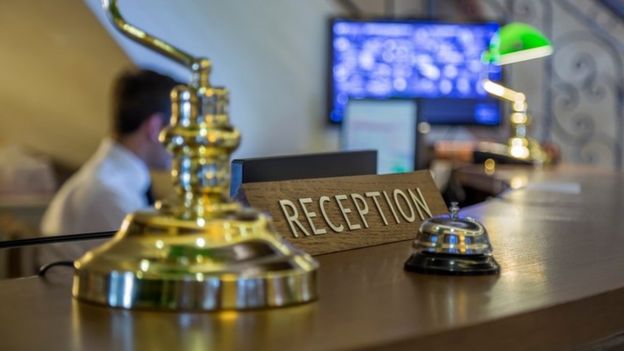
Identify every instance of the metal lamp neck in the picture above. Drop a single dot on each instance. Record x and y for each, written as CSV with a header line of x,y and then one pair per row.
x,y
199,136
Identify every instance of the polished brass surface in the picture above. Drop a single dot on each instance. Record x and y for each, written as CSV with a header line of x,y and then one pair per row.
x,y
450,234
202,251
519,144
199,66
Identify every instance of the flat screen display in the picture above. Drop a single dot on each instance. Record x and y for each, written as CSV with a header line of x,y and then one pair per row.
x,y
388,126
437,63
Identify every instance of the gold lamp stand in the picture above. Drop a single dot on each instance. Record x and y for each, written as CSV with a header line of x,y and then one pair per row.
x,y
519,145
204,252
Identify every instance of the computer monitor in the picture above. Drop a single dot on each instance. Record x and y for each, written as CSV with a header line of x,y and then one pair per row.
x,y
437,63
388,126
290,167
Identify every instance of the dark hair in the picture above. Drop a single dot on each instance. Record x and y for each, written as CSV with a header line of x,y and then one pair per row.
x,y
137,95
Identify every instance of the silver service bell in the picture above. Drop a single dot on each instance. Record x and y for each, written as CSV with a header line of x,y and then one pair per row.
x,y
450,244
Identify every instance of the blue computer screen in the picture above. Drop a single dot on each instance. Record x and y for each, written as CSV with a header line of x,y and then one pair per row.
x,y
415,59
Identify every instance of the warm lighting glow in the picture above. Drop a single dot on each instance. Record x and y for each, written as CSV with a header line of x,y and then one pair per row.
x,y
517,142
144,265
519,151
519,118
520,105
519,98
424,127
525,55
504,92
493,88
517,42
201,242
518,182
228,315
489,166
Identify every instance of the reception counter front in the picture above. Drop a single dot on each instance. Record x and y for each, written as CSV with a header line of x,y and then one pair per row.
x,y
557,235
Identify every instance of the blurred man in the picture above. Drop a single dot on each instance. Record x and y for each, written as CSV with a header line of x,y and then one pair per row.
x,y
116,179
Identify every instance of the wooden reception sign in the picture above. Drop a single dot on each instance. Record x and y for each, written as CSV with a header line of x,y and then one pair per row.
x,y
325,215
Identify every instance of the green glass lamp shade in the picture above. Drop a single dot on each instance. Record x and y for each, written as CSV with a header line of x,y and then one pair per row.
x,y
517,42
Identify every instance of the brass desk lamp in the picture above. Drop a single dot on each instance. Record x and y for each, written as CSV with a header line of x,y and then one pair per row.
x,y
518,42
204,252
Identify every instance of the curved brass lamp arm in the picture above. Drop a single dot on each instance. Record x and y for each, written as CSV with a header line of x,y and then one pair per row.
x,y
200,66
517,99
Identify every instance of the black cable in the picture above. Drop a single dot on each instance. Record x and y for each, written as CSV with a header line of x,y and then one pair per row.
x,y
55,239
44,269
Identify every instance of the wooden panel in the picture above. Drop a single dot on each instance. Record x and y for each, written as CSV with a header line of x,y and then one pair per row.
x,y
355,212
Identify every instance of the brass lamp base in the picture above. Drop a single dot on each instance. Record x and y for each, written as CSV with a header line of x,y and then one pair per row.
x,y
527,149
205,252
157,261
517,151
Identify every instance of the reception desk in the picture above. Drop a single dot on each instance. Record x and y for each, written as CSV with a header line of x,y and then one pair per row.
x,y
558,235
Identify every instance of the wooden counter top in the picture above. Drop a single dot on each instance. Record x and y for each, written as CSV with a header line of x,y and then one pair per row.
x,y
559,239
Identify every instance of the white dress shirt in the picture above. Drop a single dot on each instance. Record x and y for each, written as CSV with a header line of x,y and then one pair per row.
x,y
110,185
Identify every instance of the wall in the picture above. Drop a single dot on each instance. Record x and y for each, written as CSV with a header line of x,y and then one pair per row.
x,y
56,65
271,57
